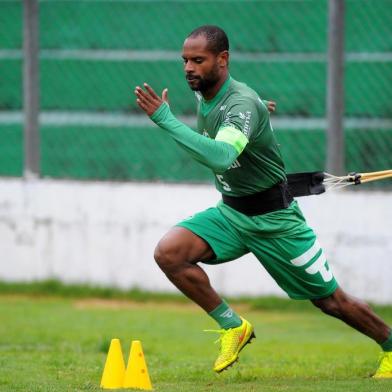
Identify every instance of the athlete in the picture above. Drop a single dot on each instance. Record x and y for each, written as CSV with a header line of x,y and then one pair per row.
x,y
257,214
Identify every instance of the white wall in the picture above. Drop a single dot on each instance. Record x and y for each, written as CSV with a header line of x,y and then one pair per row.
x,y
105,233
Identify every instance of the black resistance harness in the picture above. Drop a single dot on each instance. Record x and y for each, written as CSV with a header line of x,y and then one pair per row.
x,y
278,196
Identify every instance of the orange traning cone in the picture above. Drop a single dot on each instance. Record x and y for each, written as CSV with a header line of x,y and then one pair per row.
x,y
114,371
136,374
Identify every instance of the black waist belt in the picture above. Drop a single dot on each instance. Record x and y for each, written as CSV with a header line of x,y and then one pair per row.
x,y
275,198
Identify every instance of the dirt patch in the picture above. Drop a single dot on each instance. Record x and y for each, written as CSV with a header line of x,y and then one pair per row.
x,y
102,303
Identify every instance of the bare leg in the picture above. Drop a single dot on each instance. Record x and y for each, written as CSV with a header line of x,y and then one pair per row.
x,y
177,254
355,313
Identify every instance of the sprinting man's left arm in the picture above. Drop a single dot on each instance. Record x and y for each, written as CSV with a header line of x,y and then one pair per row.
x,y
216,154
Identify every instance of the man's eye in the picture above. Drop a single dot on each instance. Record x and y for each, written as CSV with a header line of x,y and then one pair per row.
x,y
198,61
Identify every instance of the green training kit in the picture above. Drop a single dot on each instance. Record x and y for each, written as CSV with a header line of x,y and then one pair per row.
x,y
236,141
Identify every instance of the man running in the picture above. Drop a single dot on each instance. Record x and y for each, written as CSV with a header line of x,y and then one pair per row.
x,y
257,214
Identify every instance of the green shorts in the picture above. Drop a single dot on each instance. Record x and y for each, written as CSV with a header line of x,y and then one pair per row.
x,y
292,256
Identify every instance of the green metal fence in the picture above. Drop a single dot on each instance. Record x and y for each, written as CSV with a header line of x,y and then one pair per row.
x,y
92,54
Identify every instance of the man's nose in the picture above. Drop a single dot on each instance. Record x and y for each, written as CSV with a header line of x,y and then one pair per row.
x,y
189,67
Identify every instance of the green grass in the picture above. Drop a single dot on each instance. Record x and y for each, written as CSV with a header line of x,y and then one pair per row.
x,y
54,288
60,344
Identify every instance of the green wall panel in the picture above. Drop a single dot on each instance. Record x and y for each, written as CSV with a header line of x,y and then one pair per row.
x,y
266,26
148,154
277,26
292,32
115,153
299,88
10,84
11,150
11,24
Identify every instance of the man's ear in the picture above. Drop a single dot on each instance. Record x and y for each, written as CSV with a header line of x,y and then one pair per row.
x,y
223,59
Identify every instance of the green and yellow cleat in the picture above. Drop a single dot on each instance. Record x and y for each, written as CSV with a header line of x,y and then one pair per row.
x,y
385,368
232,341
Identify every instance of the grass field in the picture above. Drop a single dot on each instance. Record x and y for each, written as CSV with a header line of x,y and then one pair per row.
x,y
60,344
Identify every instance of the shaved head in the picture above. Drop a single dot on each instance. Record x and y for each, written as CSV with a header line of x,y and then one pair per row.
x,y
217,40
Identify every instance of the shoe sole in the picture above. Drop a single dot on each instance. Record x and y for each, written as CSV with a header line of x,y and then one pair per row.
x,y
249,341
382,376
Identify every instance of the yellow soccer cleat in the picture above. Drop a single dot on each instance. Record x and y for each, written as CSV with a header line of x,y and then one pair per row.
x,y
232,341
385,368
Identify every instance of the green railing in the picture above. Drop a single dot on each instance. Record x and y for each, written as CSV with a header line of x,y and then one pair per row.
x,y
93,53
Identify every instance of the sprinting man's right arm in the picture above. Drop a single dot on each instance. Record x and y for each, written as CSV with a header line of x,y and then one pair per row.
x,y
216,154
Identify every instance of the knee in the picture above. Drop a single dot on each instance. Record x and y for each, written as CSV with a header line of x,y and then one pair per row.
x,y
167,257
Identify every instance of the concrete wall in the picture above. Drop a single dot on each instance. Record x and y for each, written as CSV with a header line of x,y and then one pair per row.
x,y
105,233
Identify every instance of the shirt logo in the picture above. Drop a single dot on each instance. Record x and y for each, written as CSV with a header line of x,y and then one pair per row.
x,y
234,165
223,107
227,120
242,115
246,129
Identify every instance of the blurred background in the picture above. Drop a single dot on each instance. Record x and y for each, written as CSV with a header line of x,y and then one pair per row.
x,y
89,185
87,191
93,53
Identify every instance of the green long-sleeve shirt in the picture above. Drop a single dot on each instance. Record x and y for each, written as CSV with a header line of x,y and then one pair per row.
x,y
215,154
234,138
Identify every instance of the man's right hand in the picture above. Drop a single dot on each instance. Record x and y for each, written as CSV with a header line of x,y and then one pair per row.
x,y
148,100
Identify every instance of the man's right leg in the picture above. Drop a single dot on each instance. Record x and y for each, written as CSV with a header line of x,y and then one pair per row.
x,y
177,255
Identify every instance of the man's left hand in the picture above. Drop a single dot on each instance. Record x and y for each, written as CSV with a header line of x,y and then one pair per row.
x,y
148,100
271,106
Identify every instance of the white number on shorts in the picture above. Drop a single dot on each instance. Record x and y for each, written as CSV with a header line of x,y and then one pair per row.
x,y
319,265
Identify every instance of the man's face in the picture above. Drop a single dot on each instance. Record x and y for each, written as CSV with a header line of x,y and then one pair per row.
x,y
201,66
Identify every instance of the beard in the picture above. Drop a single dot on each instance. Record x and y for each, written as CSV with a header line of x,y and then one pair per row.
x,y
205,83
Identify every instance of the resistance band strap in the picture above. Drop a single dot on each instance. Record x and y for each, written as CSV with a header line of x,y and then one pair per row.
x,y
305,184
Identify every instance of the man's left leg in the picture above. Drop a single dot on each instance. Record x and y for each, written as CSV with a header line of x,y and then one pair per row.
x,y
299,266
360,316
